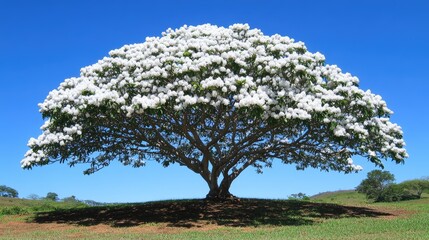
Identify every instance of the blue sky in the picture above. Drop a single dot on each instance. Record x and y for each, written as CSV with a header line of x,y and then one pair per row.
x,y
384,43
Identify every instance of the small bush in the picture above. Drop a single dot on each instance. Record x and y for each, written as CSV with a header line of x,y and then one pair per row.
x,y
13,211
299,196
415,188
380,187
52,196
45,207
392,193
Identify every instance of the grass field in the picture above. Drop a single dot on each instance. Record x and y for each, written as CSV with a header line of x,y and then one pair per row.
x,y
337,215
10,206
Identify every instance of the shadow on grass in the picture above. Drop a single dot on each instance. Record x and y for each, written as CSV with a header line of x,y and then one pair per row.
x,y
195,213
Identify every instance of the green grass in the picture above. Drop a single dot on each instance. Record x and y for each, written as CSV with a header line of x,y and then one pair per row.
x,y
347,197
15,206
335,215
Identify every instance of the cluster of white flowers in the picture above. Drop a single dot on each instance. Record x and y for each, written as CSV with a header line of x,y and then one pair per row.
x,y
236,66
46,138
353,166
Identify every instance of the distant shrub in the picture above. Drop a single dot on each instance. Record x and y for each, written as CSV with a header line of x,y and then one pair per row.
x,y
15,210
414,188
45,206
299,196
392,193
52,196
71,199
380,187
6,191
34,197
93,203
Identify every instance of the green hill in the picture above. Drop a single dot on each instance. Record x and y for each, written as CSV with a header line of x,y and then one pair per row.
x,y
347,197
12,206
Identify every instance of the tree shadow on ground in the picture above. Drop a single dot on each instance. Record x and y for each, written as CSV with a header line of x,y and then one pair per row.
x,y
196,213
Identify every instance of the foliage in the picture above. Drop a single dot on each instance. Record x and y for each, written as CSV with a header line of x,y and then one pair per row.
x,y
51,196
380,187
33,197
15,210
216,100
414,188
6,191
376,185
392,193
93,203
16,206
71,199
299,196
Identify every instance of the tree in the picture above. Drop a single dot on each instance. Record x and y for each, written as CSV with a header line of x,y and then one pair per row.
x,y
414,188
33,196
51,196
6,191
393,193
93,203
71,199
217,101
377,186
299,196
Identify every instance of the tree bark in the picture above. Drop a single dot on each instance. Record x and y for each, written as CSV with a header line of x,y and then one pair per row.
x,y
220,192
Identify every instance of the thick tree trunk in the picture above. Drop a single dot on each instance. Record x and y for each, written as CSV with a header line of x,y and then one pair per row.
x,y
220,193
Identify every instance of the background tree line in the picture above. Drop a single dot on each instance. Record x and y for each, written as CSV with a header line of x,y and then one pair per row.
x,y
380,186
9,192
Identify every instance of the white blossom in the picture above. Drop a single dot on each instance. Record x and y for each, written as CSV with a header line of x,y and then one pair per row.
x,y
237,67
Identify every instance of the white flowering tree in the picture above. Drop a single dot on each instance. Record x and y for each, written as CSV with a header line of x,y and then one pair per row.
x,y
216,100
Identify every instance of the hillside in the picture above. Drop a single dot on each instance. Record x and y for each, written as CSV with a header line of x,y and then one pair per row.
x,y
10,206
348,197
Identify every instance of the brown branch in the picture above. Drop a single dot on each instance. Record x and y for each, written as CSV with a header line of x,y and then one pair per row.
x,y
162,143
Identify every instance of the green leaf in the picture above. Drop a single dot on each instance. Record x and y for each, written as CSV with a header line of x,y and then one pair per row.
x,y
240,83
187,54
87,92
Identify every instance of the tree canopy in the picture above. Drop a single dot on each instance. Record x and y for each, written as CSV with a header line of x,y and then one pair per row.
x,y
216,100
6,191
415,187
380,186
377,185
52,196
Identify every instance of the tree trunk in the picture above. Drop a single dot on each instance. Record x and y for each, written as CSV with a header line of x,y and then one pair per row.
x,y
220,193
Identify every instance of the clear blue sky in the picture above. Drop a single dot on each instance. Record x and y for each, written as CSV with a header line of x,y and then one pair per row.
x,y
384,43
